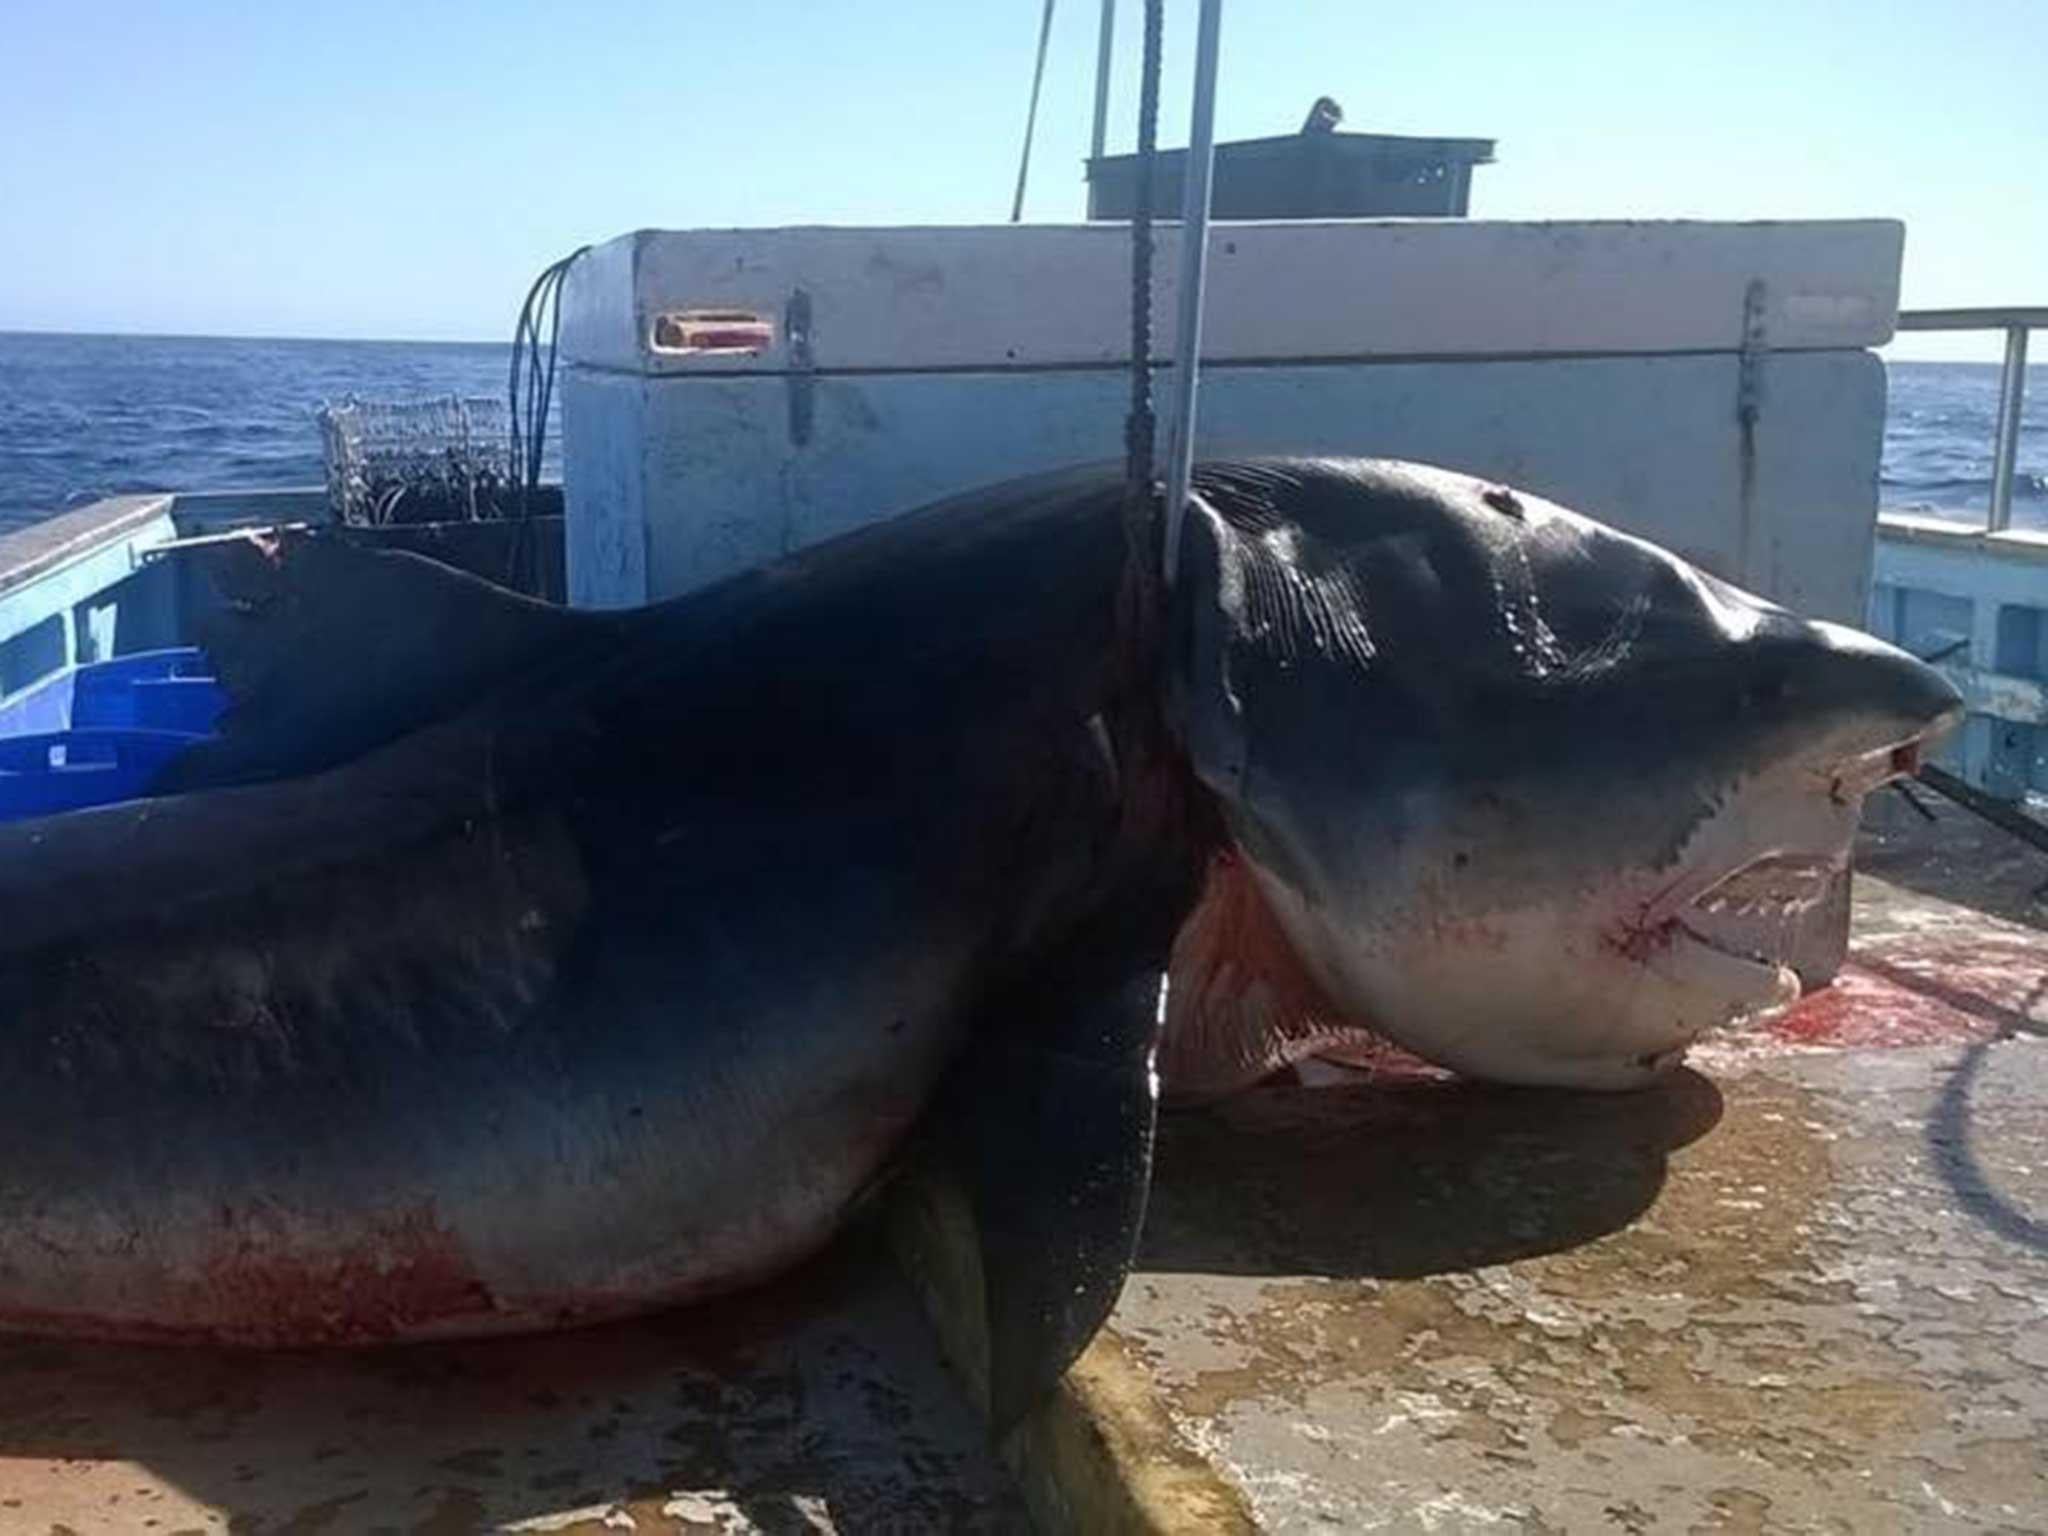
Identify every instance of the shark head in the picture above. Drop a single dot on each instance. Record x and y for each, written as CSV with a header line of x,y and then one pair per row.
x,y
1537,800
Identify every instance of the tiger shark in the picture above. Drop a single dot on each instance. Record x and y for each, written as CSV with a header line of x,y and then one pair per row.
x,y
505,967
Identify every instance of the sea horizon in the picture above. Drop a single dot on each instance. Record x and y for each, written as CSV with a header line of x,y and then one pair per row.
x,y
396,341
85,414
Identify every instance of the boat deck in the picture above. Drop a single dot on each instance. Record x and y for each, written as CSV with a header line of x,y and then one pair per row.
x,y
1800,1287
816,1405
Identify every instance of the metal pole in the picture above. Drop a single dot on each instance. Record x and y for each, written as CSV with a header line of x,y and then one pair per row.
x,y
2012,391
1031,117
1194,263
1105,46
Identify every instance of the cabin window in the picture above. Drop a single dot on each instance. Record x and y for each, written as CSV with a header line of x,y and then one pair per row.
x,y
32,655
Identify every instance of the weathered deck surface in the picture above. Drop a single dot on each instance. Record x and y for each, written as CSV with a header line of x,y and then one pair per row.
x,y
1802,1288
814,1407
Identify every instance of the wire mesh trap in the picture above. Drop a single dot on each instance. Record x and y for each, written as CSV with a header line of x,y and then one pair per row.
x,y
446,459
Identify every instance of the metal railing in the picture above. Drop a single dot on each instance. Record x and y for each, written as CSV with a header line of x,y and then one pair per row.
x,y
2012,385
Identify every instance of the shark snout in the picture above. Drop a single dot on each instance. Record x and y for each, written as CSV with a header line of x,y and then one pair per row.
x,y
1897,684
1871,697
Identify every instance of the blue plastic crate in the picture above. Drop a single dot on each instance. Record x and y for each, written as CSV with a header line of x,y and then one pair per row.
x,y
168,690
70,770
154,690
102,733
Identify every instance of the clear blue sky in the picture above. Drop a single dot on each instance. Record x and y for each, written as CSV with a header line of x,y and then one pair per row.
x,y
367,168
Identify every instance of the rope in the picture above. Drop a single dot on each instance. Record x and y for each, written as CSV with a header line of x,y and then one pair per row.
x,y
1142,731
1162,807
1141,426
1031,117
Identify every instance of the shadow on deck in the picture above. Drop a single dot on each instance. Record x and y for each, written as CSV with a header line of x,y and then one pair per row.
x,y
1416,1179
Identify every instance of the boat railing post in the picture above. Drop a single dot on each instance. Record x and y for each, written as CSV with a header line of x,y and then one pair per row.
x,y
2017,321
2012,391
1105,46
1194,261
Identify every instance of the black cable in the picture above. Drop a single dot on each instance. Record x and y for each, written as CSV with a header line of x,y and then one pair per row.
x,y
547,391
1913,800
528,429
534,426
2003,814
516,452
536,414
1031,117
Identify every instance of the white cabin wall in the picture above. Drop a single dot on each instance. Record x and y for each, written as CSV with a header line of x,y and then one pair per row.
x,y
1599,364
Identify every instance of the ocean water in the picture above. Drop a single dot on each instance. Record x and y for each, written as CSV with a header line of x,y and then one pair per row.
x,y
89,416
1939,427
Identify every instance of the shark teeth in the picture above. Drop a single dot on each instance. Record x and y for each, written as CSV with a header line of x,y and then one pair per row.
x,y
1773,883
1729,939
1751,915
1749,984
1757,906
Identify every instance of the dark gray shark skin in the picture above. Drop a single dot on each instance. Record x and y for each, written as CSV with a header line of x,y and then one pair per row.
x,y
504,967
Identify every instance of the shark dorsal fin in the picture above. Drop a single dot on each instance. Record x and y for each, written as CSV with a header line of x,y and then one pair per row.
x,y
326,650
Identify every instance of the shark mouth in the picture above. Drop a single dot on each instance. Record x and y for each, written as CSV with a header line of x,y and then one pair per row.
x,y
1738,932
1729,934
1729,940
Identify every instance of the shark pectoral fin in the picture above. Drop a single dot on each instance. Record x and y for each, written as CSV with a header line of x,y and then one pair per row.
x,y
326,650
1044,1137
1240,1003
